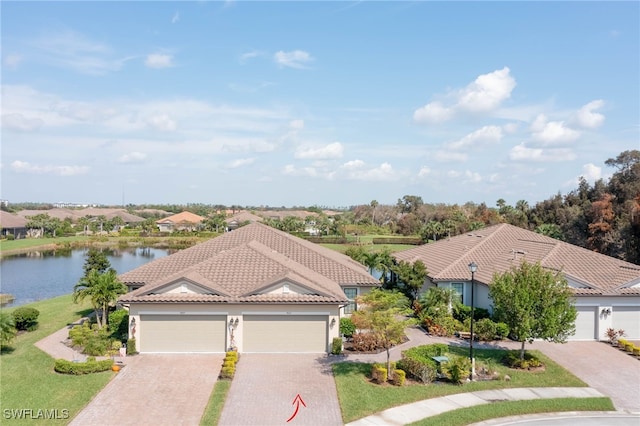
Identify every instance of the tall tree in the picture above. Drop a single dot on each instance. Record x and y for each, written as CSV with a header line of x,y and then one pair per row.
x,y
412,276
382,312
535,303
373,204
102,289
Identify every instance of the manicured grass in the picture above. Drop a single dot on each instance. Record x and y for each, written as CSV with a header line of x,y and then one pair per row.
x,y
465,416
28,380
359,398
213,411
6,245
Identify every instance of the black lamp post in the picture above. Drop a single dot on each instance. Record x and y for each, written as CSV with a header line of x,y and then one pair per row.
x,y
473,268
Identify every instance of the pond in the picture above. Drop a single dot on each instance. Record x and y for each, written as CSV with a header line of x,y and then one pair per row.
x,y
39,275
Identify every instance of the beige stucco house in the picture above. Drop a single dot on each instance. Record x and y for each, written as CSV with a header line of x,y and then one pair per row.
x,y
183,221
607,290
255,288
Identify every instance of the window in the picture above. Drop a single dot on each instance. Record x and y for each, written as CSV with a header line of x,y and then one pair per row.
x,y
459,289
351,294
285,288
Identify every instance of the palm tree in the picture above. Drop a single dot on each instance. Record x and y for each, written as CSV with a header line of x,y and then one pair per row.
x,y
102,290
374,204
7,330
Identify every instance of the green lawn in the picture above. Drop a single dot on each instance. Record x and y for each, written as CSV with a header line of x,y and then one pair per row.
x,y
28,380
465,416
25,243
359,398
213,411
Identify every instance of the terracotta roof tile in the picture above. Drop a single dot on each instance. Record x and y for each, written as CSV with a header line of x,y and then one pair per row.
x,y
239,264
498,248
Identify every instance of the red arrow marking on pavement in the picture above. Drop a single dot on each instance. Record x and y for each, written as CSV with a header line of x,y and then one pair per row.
x,y
297,400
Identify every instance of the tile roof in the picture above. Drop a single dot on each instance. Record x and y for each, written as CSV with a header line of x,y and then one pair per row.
x,y
239,264
182,217
10,220
498,248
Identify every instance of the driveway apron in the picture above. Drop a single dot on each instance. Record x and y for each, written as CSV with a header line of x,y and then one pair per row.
x,y
155,389
265,386
613,372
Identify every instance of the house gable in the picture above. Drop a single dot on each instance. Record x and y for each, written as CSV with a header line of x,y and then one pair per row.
x,y
287,285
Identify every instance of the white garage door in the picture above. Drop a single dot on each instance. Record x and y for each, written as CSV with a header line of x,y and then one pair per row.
x,y
585,323
182,333
285,333
627,318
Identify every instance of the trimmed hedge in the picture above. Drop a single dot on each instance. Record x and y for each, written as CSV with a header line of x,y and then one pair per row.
x,y
25,318
63,366
330,240
417,362
347,327
336,346
402,240
229,365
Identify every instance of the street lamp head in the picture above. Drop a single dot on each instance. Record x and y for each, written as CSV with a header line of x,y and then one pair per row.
x,y
473,267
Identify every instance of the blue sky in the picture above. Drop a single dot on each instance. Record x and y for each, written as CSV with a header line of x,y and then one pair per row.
x,y
314,103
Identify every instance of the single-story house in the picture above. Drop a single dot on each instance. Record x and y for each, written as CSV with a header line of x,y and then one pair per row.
x,y
184,221
256,288
607,290
12,224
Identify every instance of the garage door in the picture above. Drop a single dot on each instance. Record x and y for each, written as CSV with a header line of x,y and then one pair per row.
x,y
285,333
627,318
585,323
182,333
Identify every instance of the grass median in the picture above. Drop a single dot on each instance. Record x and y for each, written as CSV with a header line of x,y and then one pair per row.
x,y
28,380
360,398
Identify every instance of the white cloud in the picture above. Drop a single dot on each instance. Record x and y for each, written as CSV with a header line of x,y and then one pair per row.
x,y
12,61
20,123
69,49
552,132
296,124
511,127
162,122
587,117
523,153
486,93
159,60
333,150
294,59
425,171
444,156
484,135
250,55
591,172
472,177
434,112
291,170
240,162
356,170
175,18
25,167
133,157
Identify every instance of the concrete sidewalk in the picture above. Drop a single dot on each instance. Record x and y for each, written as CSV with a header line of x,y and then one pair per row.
x,y
416,411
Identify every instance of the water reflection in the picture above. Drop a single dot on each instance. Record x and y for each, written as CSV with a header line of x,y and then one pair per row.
x,y
44,274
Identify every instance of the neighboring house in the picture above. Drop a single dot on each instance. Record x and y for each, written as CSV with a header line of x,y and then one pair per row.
x,y
255,288
238,219
185,221
607,290
12,224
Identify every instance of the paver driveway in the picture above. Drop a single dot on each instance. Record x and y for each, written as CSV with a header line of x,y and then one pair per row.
x,y
265,386
155,389
607,369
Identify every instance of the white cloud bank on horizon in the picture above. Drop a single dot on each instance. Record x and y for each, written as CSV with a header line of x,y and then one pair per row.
x,y
25,167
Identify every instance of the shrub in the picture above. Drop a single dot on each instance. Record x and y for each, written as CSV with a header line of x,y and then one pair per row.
x,y
379,374
131,347
442,325
628,347
227,372
336,346
232,355
457,369
417,361
366,342
399,376
636,350
347,327
502,330
512,359
76,368
96,345
228,363
463,312
118,324
25,318
485,329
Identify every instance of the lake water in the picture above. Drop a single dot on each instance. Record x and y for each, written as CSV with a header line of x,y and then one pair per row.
x,y
39,275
